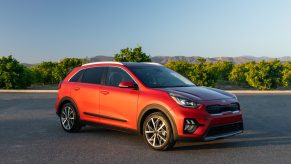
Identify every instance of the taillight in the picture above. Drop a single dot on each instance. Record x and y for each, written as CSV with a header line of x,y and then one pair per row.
x,y
60,84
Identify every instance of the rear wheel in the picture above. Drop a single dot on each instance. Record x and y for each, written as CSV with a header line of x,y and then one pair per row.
x,y
69,118
157,132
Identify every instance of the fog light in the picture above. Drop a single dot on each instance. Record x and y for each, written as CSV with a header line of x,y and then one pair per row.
x,y
189,125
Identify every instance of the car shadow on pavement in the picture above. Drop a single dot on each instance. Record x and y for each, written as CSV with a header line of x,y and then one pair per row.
x,y
247,140
240,141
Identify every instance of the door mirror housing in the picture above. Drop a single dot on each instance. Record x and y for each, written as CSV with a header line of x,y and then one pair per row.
x,y
127,84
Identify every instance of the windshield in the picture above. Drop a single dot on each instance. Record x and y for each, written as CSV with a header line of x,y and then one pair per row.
x,y
160,77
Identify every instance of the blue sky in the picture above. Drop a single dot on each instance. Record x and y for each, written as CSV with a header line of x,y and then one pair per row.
x,y
37,30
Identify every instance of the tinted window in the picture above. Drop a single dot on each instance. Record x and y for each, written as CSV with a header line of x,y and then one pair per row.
x,y
116,75
93,75
77,76
160,77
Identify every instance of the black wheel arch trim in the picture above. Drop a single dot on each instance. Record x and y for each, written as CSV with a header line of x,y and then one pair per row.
x,y
164,110
66,99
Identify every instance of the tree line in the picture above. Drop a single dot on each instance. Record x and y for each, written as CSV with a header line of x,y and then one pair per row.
x,y
14,75
260,75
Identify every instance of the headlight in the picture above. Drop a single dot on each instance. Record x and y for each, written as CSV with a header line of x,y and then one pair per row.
x,y
184,101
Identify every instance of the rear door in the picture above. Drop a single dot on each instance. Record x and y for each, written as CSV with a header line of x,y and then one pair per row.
x,y
118,106
86,93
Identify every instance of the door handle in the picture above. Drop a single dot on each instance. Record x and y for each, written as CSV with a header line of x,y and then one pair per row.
x,y
76,88
104,92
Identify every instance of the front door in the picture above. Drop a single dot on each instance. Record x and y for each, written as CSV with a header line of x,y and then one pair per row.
x,y
118,106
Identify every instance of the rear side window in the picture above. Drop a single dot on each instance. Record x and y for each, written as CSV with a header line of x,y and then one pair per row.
x,y
77,76
116,75
93,75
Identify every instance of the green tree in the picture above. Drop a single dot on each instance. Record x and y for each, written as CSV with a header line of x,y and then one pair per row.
x,y
203,73
132,55
238,74
265,75
287,74
65,66
223,69
13,75
180,66
43,72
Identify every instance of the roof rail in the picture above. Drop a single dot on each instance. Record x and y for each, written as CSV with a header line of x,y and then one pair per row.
x,y
103,62
153,63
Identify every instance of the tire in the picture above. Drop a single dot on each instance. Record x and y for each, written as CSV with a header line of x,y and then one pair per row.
x,y
157,132
69,118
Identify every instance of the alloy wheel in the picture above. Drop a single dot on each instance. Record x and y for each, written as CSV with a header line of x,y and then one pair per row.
x,y
68,117
156,131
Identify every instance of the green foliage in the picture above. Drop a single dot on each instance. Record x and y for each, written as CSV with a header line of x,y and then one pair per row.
x,y
54,72
238,74
223,69
64,67
132,55
183,67
265,75
287,74
203,73
261,75
43,72
13,75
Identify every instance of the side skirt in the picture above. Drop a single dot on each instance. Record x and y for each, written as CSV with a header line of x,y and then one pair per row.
x,y
111,127
106,117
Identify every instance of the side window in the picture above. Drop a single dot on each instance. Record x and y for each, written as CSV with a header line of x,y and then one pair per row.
x,y
116,75
93,75
77,76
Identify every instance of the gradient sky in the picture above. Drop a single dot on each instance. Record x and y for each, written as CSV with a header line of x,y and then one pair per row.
x,y
37,30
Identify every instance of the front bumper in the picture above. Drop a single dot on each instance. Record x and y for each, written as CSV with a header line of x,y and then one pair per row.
x,y
209,126
223,131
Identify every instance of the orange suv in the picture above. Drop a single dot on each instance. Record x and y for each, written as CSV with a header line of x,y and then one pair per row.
x,y
147,98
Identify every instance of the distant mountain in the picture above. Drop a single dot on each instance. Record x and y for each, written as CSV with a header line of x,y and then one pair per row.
x,y
101,58
28,65
193,59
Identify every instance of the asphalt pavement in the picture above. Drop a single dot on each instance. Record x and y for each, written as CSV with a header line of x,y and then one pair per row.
x,y
30,133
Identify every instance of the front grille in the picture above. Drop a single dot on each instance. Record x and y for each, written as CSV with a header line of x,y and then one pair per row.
x,y
224,129
215,109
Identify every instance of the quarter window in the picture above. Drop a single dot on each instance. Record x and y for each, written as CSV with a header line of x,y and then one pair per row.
x,y
77,76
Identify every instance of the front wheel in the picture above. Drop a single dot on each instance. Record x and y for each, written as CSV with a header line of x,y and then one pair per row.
x,y
69,118
157,132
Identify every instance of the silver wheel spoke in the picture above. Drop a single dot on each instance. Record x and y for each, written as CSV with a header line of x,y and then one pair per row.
x,y
151,139
63,121
71,122
147,132
159,139
162,138
153,122
149,127
157,123
154,140
68,125
161,127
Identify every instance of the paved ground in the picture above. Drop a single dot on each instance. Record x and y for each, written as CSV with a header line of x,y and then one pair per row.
x,y
30,133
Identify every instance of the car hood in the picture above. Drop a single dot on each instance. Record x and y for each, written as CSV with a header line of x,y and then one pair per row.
x,y
200,93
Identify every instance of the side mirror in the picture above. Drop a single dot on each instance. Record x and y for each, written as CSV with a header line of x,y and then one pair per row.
x,y
126,84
